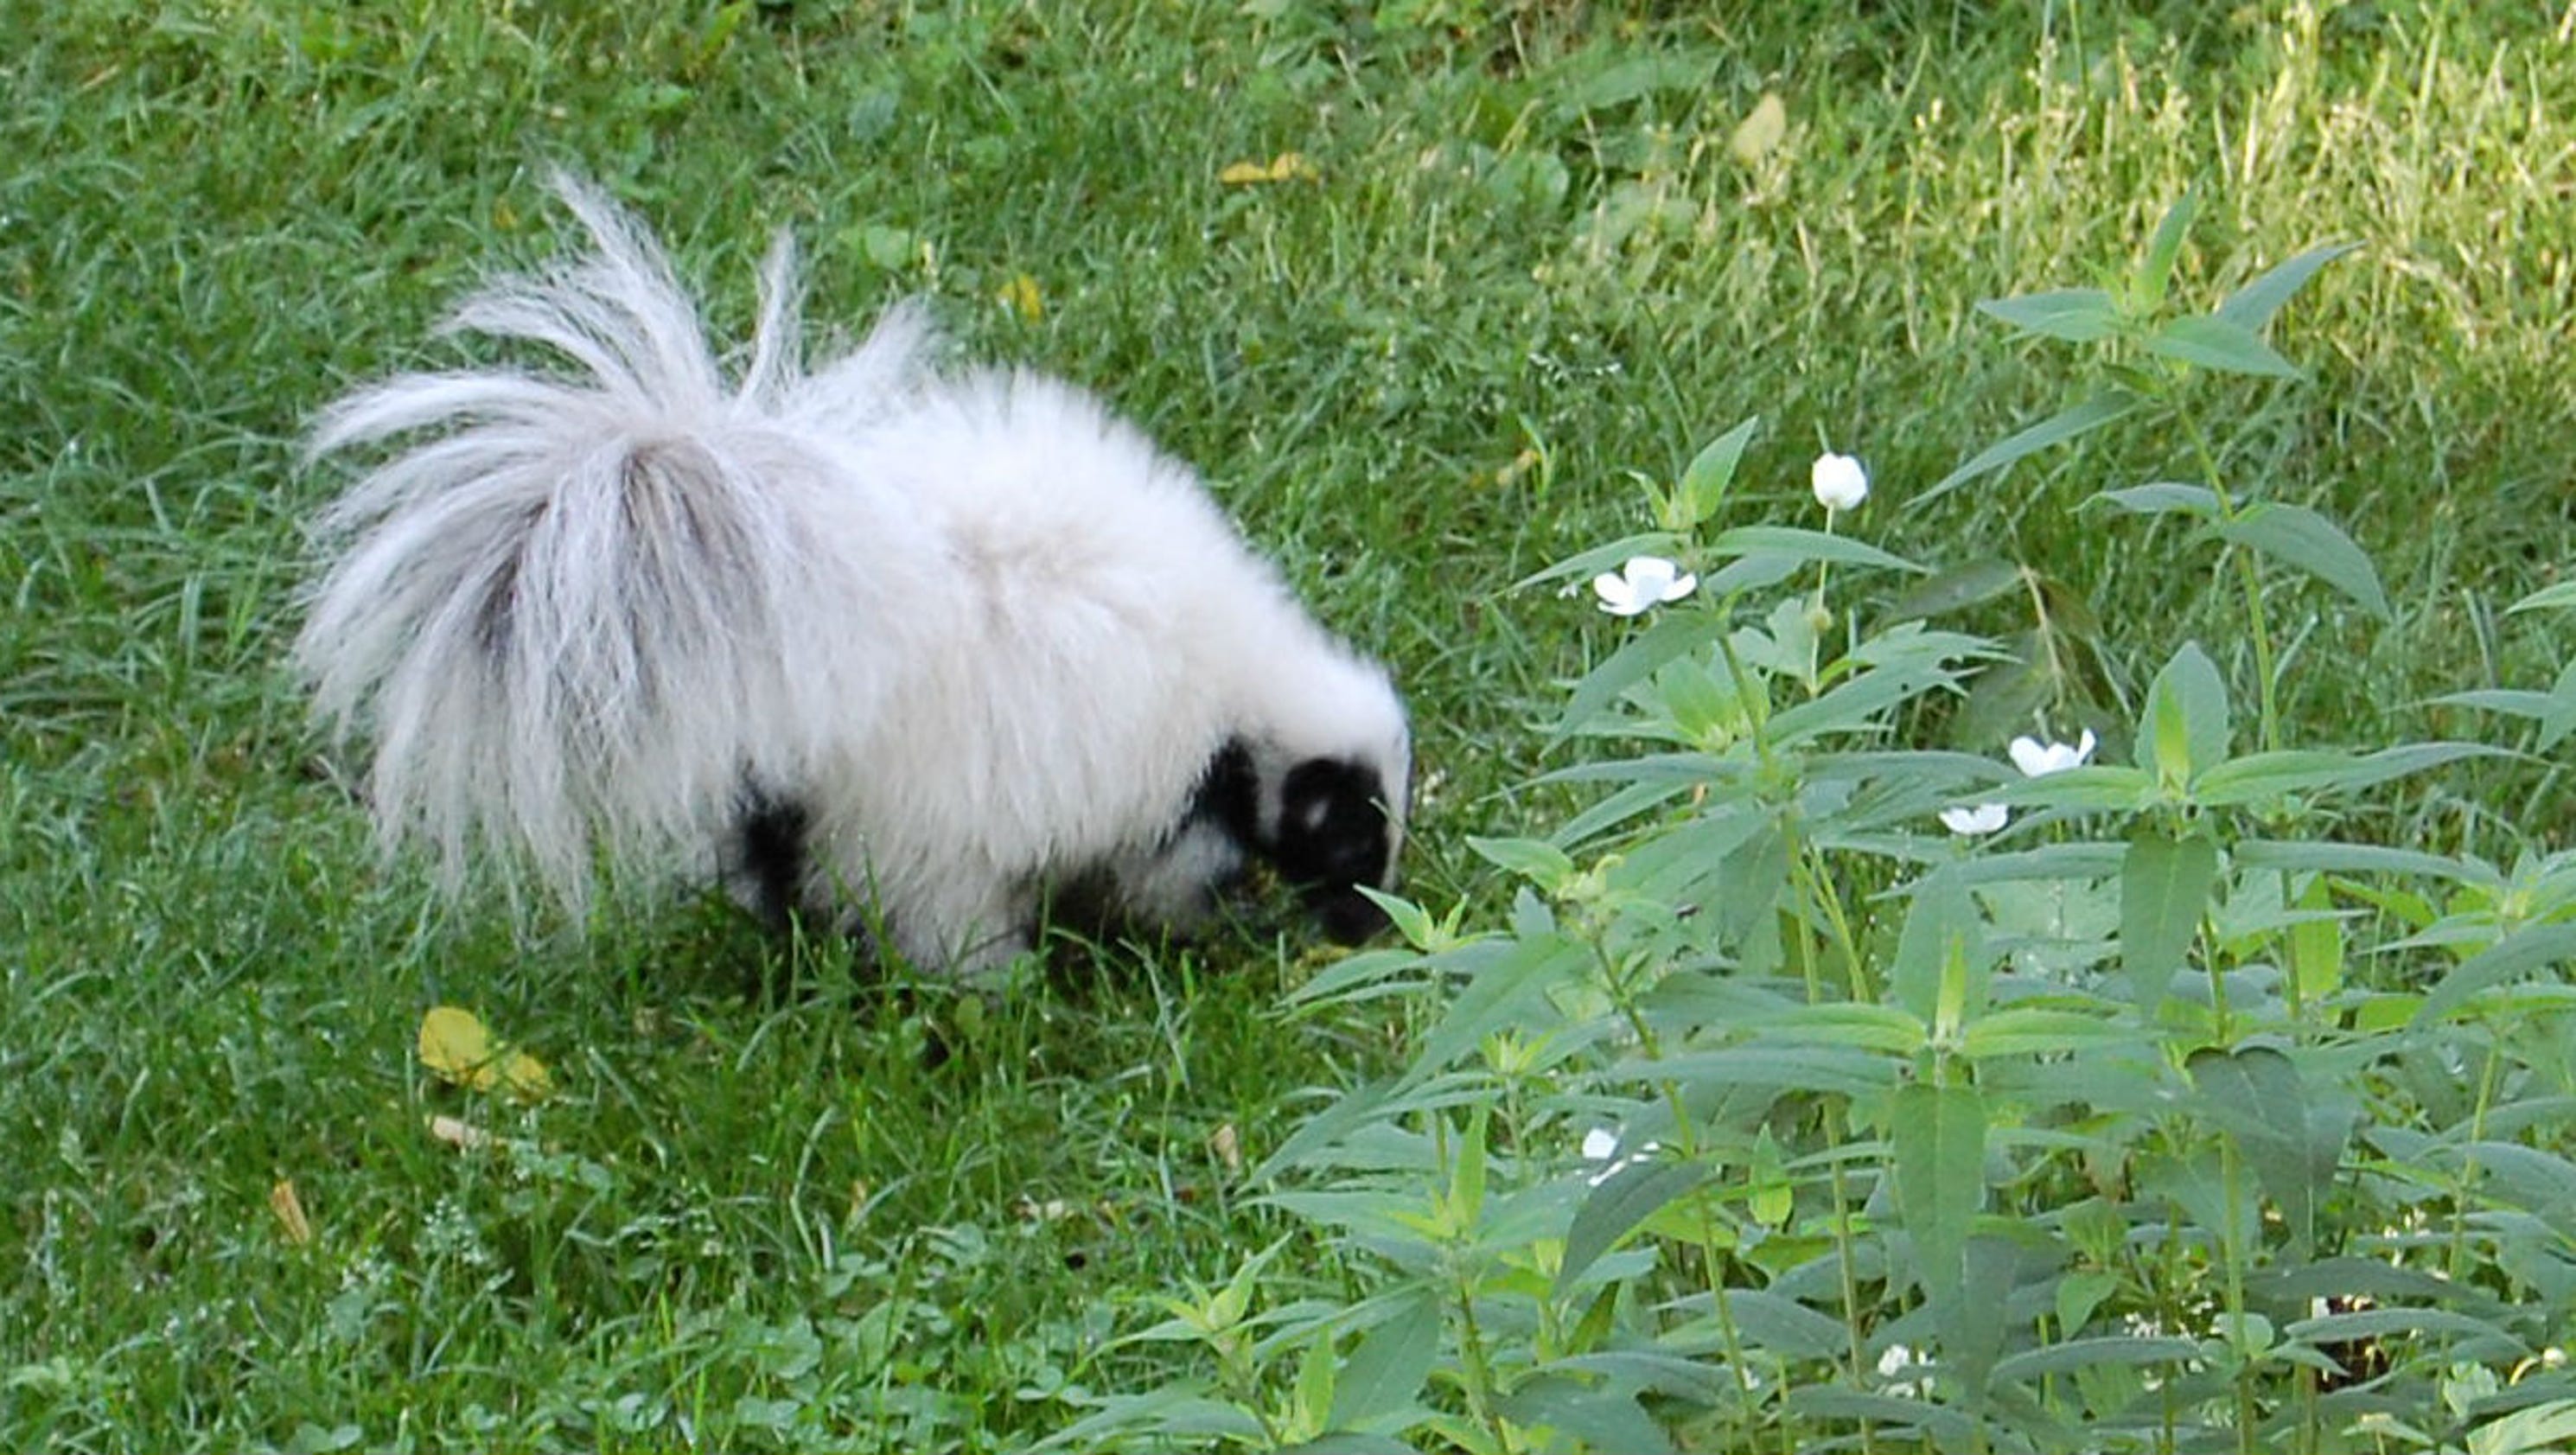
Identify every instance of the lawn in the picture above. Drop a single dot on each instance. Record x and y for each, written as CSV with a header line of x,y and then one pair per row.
x,y
1426,292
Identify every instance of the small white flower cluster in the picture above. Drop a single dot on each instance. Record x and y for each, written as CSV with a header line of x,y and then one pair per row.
x,y
2035,759
1646,582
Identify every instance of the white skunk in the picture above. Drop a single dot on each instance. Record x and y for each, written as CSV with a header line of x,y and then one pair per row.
x,y
908,648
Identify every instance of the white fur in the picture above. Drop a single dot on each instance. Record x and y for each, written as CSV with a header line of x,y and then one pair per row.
x,y
986,633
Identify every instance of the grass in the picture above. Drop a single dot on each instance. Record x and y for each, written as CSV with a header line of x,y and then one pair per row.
x,y
759,1210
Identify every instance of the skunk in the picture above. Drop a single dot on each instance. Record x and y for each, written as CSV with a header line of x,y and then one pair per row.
x,y
909,647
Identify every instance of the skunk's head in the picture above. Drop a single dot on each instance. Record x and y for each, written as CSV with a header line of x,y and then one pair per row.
x,y
1326,790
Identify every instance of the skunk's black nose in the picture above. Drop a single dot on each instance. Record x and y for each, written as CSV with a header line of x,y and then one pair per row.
x,y
1348,916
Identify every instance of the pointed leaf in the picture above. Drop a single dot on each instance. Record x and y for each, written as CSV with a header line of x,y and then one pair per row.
x,y
2257,777
1635,661
2155,270
2164,886
1801,544
1939,1140
1712,470
2257,1094
2057,429
2253,305
2162,498
1586,565
1942,920
2298,536
2077,315
1388,1367
1954,588
2519,952
2211,342
1624,1199
1541,863
2186,727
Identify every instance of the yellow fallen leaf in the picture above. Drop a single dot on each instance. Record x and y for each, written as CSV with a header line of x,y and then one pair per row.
x,y
290,1212
1021,295
1285,167
456,1047
1758,133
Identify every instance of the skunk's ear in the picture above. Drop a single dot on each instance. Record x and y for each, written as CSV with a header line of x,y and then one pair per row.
x,y
1334,835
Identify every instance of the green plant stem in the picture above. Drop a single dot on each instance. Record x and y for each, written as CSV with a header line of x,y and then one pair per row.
x,y
1480,1374
1843,1260
2257,625
2231,1175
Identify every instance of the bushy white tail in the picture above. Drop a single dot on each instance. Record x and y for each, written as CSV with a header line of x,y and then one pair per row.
x,y
590,607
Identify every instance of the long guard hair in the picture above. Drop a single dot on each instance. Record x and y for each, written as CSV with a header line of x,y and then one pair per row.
x,y
874,639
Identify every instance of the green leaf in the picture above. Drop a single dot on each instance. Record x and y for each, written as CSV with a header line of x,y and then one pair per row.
x,y
2057,429
2022,1030
2186,727
1800,544
1955,588
1467,1174
1388,1367
2211,342
1637,659
1497,996
2521,951
1542,864
1939,1141
1943,920
2559,596
2155,269
2258,777
2164,886
2298,536
2317,944
1850,1023
2253,305
1593,562
2162,498
2378,1323
1712,470
2075,1354
1626,1198
1315,1379
2077,315
2258,1096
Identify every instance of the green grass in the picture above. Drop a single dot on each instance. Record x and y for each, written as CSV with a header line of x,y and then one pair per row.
x,y
1527,264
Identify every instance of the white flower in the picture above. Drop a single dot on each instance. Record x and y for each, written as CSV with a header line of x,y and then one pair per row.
x,y
1985,818
1896,1360
1839,481
2036,759
1602,1145
1644,583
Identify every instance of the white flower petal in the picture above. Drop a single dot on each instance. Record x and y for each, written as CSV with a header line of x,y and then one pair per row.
x,y
1616,598
1599,1143
1984,818
2030,756
1680,586
2036,759
1839,481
